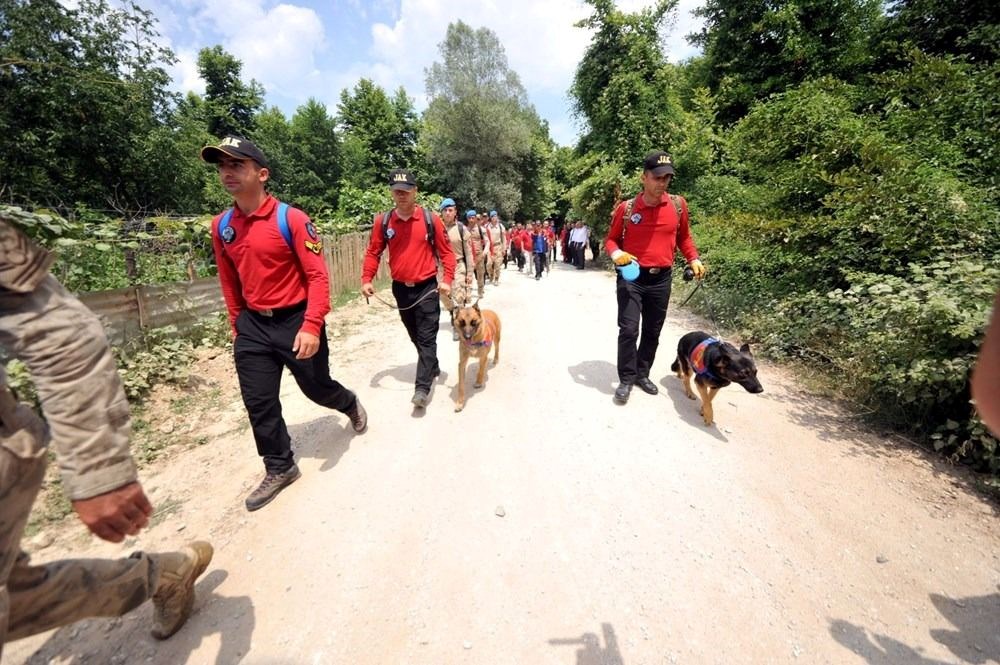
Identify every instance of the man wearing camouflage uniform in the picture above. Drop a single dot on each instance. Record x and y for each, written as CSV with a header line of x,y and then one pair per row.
x,y
480,248
498,245
64,346
461,245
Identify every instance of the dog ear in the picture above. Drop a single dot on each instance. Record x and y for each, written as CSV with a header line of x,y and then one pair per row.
x,y
475,305
745,349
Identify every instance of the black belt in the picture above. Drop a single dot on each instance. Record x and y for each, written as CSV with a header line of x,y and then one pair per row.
x,y
281,311
415,284
654,270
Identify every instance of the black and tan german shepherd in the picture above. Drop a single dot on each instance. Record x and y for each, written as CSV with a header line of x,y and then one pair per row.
x,y
715,364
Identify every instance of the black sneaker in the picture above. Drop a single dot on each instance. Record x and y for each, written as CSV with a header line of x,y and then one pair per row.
x,y
647,385
269,488
420,398
359,417
622,392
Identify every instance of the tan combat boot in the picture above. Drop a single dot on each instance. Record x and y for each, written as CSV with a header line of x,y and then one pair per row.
x,y
174,596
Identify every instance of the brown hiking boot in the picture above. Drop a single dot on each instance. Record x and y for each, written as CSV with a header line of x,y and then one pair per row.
x,y
174,596
359,417
270,486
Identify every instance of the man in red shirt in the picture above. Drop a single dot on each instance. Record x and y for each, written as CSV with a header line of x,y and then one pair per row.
x,y
648,230
277,291
414,273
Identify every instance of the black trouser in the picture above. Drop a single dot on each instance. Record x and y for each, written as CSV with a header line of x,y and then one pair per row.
x,y
579,253
519,255
539,263
645,298
553,252
262,349
421,323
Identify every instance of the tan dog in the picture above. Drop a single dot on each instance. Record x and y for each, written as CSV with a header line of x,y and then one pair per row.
x,y
478,332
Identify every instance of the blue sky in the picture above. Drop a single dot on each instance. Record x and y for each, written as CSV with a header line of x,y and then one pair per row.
x,y
314,48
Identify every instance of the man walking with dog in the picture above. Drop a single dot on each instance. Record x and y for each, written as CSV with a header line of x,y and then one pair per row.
x,y
648,230
277,291
461,246
480,247
63,345
416,240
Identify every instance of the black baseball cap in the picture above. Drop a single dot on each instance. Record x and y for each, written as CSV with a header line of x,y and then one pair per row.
x,y
236,147
659,163
401,179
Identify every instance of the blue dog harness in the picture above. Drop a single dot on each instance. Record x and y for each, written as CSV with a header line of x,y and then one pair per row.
x,y
697,358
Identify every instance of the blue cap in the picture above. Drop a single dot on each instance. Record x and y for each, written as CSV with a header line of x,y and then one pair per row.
x,y
470,213
493,213
629,271
446,203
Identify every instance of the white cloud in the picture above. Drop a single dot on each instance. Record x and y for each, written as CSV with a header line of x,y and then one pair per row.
x,y
185,72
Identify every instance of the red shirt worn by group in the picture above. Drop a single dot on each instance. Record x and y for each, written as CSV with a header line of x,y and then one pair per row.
x,y
410,256
652,234
259,271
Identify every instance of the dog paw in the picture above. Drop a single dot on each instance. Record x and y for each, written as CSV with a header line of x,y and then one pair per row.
x,y
690,395
459,407
477,385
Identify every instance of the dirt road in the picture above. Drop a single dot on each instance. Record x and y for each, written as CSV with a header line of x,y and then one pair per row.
x,y
546,525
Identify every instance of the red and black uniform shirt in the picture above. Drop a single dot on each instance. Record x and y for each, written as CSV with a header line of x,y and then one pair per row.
x,y
652,234
259,271
410,256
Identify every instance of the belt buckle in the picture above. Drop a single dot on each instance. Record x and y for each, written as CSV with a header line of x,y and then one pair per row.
x,y
409,284
266,312
655,271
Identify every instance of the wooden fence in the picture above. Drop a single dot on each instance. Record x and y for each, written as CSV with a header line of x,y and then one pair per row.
x,y
126,312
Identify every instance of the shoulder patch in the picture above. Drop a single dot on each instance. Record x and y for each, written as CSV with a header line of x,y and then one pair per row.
x,y
228,234
390,233
635,218
314,247
311,230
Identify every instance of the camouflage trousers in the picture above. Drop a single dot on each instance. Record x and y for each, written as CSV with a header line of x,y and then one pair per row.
x,y
481,275
495,265
461,290
36,598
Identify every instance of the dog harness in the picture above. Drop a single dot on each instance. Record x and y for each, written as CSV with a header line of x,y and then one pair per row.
x,y
697,358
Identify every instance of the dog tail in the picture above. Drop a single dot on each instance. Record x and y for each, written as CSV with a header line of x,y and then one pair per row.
x,y
676,366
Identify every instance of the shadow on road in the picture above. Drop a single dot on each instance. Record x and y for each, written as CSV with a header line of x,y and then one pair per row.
x,y
976,639
597,374
977,619
590,652
404,374
833,421
127,639
326,438
687,408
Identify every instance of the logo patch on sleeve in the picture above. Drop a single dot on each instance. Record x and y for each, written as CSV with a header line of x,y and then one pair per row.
x,y
314,247
311,230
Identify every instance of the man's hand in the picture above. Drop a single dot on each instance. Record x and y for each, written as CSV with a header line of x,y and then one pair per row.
x,y
115,514
623,259
444,289
305,345
367,290
698,268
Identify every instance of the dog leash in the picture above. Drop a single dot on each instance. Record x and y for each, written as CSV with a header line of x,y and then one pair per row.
x,y
432,290
708,305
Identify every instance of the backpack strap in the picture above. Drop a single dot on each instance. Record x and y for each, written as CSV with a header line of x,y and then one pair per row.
x,y
385,227
678,205
286,231
429,222
461,241
224,221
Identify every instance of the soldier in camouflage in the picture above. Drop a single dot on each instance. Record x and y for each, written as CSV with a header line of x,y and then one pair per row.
x,y
64,347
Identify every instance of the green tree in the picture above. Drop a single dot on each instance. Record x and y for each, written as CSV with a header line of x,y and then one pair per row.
x,y
379,133
943,27
756,48
230,103
482,139
83,91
